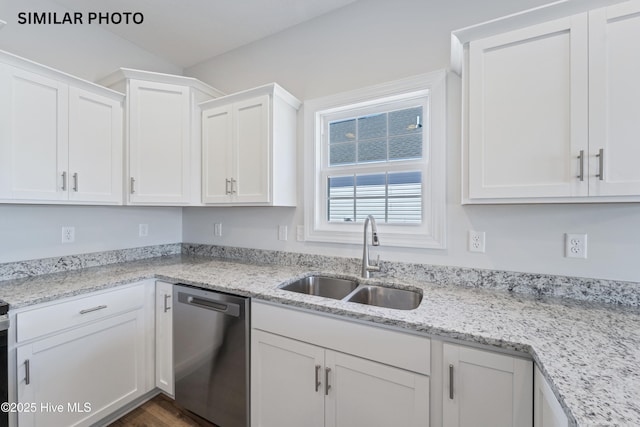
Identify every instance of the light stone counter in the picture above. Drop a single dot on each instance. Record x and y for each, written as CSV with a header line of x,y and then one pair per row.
x,y
590,353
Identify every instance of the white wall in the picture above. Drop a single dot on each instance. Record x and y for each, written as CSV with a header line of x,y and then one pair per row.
x,y
375,41
32,231
86,51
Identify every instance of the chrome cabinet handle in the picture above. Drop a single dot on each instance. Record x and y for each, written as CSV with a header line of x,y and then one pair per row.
x,y
326,381
227,182
166,307
581,159
27,372
233,186
133,181
89,310
600,157
64,181
75,182
451,382
318,383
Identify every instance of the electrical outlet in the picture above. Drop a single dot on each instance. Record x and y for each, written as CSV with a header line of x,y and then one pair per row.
x,y
476,241
217,229
143,230
282,232
575,245
68,234
300,233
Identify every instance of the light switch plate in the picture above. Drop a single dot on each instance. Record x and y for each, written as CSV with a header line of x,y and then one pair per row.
x,y
282,232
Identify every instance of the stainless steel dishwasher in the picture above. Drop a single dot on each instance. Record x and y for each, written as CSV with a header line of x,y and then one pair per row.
x,y
211,354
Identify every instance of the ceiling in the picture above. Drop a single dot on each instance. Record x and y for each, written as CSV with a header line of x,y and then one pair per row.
x,y
187,32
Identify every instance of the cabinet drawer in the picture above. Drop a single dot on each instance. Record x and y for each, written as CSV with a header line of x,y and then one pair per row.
x,y
396,348
69,313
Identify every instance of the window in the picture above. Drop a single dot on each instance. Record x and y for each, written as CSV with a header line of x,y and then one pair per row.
x,y
377,151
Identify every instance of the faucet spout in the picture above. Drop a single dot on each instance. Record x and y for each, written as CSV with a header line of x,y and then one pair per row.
x,y
367,266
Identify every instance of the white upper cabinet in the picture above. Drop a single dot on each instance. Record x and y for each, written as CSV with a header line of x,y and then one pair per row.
x,y
551,111
614,110
60,137
249,148
95,147
528,111
163,136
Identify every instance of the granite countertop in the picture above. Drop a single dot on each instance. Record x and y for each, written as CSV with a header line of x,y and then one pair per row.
x,y
589,353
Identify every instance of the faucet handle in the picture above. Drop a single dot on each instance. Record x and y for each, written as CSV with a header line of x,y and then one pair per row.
x,y
376,266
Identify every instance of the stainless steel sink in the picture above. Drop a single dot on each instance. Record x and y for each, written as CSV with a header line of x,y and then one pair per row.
x,y
400,299
328,287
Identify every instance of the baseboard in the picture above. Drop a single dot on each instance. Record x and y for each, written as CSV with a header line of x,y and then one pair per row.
x,y
127,408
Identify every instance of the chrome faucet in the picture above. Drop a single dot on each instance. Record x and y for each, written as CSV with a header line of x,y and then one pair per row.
x,y
367,267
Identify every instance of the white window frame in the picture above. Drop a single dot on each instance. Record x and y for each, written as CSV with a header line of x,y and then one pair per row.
x,y
432,232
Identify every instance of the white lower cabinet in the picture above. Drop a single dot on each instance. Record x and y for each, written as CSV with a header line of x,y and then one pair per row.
x,y
365,393
313,370
164,337
284,382
547,411
299,384
98,360
485,389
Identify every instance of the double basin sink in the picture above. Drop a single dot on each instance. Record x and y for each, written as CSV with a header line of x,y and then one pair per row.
x,y
352,291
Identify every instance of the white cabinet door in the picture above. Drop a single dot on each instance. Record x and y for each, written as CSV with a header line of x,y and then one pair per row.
x,y
528,112
488,389
217,154
363,393
547,411
33,136
164,337
287,383
78,377
95,147
249,148
159,144
614,110
252,160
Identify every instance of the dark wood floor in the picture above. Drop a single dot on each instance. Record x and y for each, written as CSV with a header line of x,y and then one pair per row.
x,y
161,411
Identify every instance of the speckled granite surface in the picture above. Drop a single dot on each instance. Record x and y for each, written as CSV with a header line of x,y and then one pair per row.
x,y
590,353
538,285
36,267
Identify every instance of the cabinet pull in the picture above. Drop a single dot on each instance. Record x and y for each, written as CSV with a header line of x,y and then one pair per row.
x,y
226,186
64,181
233,186
75,182
451,382
581,159
326,381
89,310
600,157
133,181
27,372
318,383
166,307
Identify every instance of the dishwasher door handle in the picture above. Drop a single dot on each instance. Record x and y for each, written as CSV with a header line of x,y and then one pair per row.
x,y
227,308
